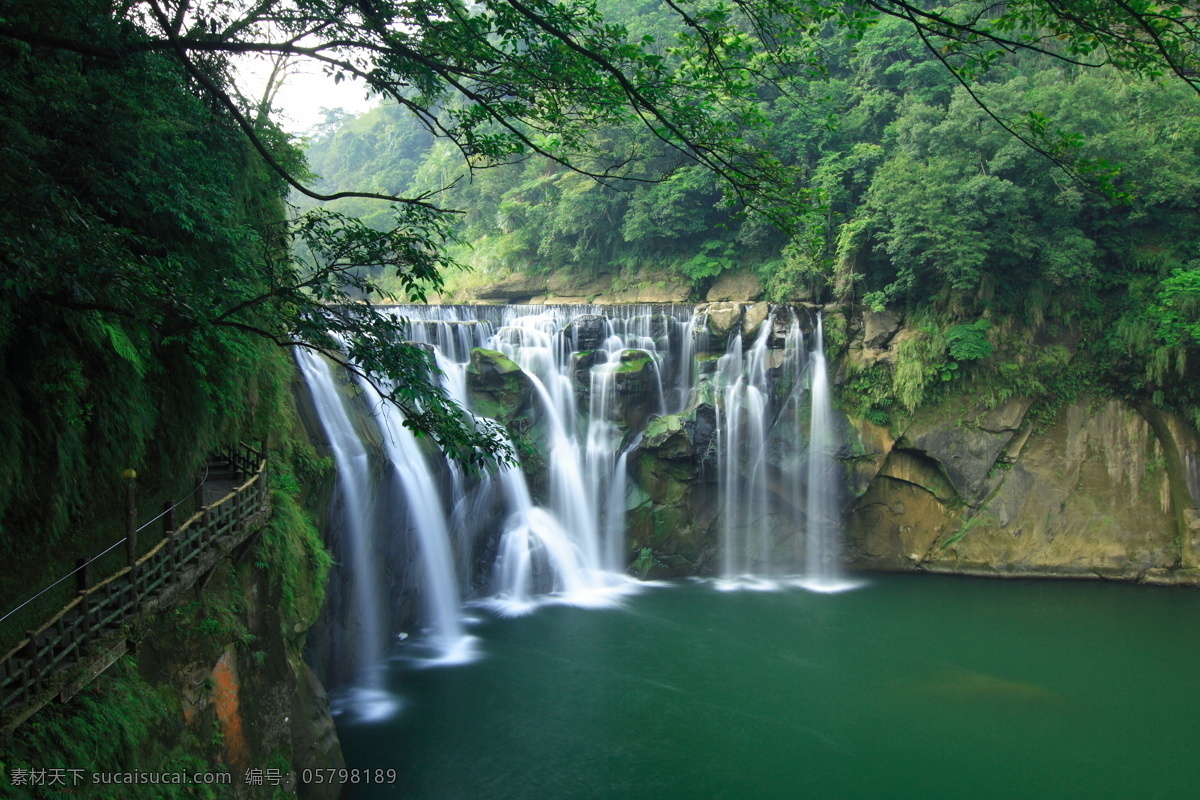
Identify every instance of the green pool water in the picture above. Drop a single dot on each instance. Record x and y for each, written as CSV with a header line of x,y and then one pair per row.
x,y
909,687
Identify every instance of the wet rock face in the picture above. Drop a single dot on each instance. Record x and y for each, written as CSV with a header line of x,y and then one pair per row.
x,y
703,434
668,437
586,332
672,501
497,386
753,319
636,389
977,492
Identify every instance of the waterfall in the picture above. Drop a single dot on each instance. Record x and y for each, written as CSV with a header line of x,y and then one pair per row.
x,y
555,530
822,572
365,628
427,518
746,418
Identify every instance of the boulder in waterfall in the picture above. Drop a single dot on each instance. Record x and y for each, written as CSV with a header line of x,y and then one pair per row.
x,y
668,437
753,319
586,332
636,388
720,319
497,387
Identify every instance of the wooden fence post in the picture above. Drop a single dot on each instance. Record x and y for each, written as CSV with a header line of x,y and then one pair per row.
x,y
130,516
198,494
83,574
169,535
31,654
207,536
83,582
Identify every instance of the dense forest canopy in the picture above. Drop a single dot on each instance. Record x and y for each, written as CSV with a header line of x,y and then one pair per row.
x,y
955,161
1044,194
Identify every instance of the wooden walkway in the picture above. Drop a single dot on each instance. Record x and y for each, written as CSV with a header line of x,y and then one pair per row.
x,y
87,636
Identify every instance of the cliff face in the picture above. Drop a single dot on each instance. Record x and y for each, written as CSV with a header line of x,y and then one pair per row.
x,y
211,685
1103,490
246,694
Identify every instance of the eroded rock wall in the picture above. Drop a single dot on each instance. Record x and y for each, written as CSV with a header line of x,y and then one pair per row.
x,y
1104,490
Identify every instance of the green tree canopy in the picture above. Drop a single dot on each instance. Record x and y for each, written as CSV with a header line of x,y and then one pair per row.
x,y
693,90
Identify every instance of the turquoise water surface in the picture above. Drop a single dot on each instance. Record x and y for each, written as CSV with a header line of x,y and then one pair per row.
x,y
912,686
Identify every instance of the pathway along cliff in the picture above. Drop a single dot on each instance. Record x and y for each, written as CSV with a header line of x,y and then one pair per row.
x,y
667,441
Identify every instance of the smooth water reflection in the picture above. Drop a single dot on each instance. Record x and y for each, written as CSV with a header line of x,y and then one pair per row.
x,y
913,687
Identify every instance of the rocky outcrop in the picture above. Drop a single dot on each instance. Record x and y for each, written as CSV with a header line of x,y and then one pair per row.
x,y
965,444
566,287
735,285
497,386
587,332
570,288
978,493
514,288
1181,458
649,286
719,320
881,334
752,320
671,501
879,327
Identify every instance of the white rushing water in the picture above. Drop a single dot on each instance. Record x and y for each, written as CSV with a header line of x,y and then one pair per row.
x,y
822,571
595,375
363,629
427,518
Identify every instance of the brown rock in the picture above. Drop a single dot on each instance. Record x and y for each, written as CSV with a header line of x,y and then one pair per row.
x,y
879,327
753,319
515,287
735,285
721,318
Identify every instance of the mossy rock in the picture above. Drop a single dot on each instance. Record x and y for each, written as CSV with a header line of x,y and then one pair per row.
x,y
668,437
634,361
497,387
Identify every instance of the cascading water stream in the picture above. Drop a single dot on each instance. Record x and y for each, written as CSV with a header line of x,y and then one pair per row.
x,y
426,517
350,458
822,570
594,376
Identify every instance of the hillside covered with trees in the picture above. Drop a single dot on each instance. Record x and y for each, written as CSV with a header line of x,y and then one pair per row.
x,y
1019,181
1040,197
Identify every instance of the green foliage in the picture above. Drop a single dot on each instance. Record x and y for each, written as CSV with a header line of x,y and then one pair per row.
x,y
868,393
292,551
1176,308
969,342
920,359
713,258
118,723
916,198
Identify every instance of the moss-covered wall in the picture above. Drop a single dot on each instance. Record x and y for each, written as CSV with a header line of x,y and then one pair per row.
x,y
214,684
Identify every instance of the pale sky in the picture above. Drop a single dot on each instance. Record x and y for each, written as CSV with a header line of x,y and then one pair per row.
x,y
306,90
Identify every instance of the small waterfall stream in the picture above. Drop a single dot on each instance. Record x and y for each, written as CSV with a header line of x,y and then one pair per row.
x,y
555,530
362,632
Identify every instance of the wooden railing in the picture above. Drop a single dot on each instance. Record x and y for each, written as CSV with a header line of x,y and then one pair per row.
x,y
174,564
